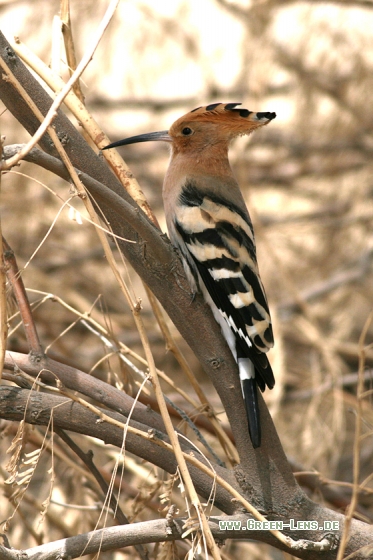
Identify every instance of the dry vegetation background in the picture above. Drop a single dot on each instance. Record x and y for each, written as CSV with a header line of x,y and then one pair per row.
x,y
307,180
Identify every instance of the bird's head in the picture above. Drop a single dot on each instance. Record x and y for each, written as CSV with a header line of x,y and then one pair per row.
x,y
215,124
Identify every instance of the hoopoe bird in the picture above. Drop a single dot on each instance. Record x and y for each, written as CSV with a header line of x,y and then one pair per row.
x,y
209,223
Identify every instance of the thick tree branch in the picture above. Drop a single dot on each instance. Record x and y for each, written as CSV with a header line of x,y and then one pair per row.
x,y
36,408
50,371
160,530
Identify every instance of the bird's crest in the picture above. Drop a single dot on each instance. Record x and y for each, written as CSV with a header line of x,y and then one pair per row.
x,y
230,119
229,115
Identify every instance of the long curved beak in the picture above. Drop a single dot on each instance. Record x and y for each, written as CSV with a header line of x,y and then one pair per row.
x,y
149,137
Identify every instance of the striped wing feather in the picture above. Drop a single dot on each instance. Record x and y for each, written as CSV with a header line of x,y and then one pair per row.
x,y
221,250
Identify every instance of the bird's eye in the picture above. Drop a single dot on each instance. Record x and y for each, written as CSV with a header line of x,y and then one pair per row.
x,y
187,131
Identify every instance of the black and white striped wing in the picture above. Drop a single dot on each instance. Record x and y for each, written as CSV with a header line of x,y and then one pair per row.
x,y
217,240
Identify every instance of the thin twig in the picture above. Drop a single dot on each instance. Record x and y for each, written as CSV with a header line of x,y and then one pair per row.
x,y
3,305
67,35
15,280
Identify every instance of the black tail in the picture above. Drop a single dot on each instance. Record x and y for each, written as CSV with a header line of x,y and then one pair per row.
x,y
252,410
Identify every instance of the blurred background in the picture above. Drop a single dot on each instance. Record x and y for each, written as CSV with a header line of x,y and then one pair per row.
x,y
306,178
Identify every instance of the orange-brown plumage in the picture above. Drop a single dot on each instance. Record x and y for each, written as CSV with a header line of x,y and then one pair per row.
x,y
231,120
214,129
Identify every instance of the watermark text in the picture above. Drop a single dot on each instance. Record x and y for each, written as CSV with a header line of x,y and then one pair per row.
x,y
292,524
